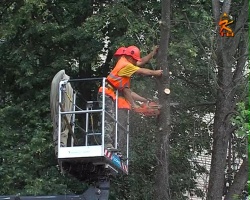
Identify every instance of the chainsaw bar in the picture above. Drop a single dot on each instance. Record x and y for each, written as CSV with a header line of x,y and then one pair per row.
x,y
148,109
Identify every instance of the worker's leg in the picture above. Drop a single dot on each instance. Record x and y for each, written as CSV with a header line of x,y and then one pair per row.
x,y
122,134
109,123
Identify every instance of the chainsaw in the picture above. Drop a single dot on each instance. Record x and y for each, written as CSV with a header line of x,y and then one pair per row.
x,y
148,109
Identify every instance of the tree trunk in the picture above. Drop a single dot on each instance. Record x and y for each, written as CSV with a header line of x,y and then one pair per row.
x,y
239,182
220,143
227,82
162,191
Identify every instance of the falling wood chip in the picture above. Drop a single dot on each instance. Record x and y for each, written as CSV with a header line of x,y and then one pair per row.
x,y
167,91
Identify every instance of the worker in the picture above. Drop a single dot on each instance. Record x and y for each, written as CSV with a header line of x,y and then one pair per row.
x,y
121,52
132,55
123,105
119,79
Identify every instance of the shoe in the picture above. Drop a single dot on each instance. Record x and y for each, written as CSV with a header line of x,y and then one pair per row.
x,y
123,159
62,145
113,149
109,146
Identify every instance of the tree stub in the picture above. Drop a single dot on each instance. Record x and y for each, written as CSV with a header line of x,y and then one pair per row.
x,y
167,91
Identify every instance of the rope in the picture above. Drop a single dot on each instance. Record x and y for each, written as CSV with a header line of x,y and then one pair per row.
x,y
68,97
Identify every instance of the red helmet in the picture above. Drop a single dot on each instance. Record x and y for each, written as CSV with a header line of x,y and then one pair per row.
x,y
134,52
120,51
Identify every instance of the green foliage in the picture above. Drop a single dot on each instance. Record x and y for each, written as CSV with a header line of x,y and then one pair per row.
x,y
139,184
241,120
32,52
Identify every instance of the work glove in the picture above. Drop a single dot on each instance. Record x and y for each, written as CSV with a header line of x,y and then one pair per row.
x,y
155,50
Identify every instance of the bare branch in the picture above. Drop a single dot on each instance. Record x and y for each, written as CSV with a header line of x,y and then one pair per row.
x,y
216,10
241,21
189,24
188,81
243,16
231,130
239,182
241,62
226,6
201,104
177,105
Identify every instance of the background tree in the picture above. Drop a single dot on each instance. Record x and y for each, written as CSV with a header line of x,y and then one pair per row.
x,y
230,59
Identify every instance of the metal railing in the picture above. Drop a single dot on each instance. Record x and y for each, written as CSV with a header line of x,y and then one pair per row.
x,y
88,111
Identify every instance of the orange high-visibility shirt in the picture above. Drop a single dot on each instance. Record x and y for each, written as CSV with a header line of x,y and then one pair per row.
x,y
119,78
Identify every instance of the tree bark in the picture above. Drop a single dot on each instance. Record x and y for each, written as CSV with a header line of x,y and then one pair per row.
x,y
161,190
239,182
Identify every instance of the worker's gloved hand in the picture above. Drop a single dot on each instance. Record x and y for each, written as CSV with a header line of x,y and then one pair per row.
x,y
155,50
135,106
149,100
158,72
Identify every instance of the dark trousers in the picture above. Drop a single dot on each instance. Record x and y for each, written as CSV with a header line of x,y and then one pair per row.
x,y
109,123
122,134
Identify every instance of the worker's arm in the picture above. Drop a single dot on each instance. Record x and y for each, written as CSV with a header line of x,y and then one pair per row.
x,y
128,96
137,97
148,57
149,72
